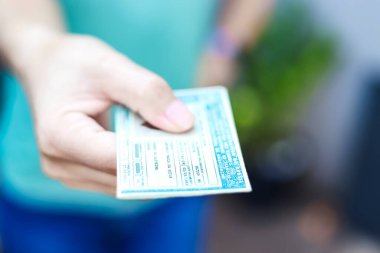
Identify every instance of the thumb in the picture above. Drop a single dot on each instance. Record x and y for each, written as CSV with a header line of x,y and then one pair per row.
x,y
148,95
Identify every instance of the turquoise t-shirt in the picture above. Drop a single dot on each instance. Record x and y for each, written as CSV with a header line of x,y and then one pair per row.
x,y
165,36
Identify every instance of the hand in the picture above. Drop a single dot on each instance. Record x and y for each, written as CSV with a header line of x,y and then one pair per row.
x,y
216,70
71,82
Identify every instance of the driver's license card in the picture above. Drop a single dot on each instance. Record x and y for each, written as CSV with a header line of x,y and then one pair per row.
x,y
205,160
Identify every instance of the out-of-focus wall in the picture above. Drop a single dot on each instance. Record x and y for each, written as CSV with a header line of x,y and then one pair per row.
x,y
335,111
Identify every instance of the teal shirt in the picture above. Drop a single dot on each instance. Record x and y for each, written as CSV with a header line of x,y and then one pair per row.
x,y
165,36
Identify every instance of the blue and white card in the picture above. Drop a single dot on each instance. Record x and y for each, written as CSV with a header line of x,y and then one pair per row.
x,y
205,160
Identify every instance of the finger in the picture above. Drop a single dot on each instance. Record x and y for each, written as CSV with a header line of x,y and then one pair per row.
x,y
90,186
63,170
147,94
104,120
79,138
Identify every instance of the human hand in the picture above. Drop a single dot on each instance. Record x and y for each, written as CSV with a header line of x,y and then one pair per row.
x,y
71,82
216,70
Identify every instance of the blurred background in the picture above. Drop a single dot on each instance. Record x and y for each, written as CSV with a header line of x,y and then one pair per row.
x,y
307,109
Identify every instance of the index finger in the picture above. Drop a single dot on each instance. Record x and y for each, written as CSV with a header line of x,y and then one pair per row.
x,y
79,138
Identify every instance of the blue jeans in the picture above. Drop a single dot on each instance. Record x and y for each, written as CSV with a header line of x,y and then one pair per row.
x,y
177,226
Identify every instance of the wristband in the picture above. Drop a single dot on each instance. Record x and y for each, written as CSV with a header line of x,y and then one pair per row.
x,y
222,44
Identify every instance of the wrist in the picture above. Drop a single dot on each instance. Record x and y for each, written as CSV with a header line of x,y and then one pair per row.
x,y
23,44
223,44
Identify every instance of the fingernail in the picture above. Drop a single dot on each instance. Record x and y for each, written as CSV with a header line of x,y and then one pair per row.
x,y
179,115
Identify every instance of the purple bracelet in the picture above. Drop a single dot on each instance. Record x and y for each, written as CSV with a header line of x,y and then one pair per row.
x,y
222,44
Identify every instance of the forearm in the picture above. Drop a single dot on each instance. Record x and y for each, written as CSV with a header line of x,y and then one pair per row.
x,y
244,20
26,26
239,25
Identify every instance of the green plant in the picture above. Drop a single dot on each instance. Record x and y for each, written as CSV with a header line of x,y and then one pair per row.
x,y
278,75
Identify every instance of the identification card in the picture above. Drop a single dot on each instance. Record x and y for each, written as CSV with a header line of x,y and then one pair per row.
x,y
206,160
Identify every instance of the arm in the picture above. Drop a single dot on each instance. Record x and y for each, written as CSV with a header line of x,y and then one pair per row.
x,y
25,26
71,81
239,26
244,20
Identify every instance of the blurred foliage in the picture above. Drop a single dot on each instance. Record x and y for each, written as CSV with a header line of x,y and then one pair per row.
x,y
278,75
